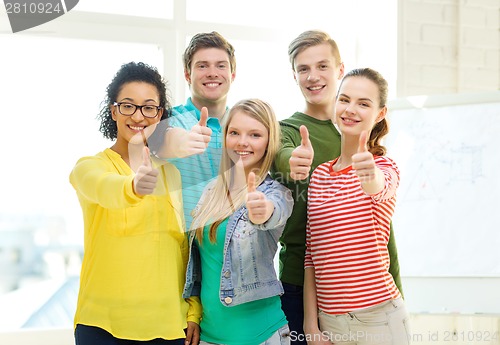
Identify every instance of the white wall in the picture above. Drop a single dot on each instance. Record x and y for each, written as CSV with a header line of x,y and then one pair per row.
x,y
448,46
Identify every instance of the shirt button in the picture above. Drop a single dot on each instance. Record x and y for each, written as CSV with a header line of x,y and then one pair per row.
x,y
227,274
228,300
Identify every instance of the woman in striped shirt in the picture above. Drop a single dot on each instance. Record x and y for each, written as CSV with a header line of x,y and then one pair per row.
x,y
347,284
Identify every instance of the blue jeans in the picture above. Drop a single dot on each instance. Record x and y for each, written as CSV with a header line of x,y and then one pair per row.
x,y
292,303
90,335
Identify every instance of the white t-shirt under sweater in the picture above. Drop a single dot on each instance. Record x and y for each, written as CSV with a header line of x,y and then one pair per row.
x,y
347,235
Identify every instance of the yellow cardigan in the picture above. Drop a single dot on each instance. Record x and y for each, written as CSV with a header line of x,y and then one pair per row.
x,y
135,252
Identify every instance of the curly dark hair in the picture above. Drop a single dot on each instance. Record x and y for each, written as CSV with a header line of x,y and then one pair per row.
x,y
130,72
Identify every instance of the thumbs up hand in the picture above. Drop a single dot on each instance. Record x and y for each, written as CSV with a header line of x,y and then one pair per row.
x,y
182,143
199,135
362,161
371,177
302,157
259,207
146,176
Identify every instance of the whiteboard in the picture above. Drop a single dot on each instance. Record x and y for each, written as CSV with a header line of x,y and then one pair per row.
x,y
447,218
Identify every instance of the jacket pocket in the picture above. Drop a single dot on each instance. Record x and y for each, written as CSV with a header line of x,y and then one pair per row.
x,y
244,228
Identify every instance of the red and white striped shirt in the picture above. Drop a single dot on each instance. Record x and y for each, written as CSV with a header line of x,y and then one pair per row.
x,y
347,235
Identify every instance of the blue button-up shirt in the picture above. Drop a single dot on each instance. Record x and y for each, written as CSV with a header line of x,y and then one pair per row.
x,y
196,170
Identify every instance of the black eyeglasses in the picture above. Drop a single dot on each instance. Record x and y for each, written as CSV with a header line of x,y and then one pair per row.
x,y
129,109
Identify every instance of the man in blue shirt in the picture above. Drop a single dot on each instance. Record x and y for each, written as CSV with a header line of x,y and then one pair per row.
x,y
192,138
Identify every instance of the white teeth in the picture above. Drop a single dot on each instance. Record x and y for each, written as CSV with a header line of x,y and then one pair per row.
x,y
243,153
350,120
136,128
314,88
212,84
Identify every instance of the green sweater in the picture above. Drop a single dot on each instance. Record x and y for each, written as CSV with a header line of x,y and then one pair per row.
x,y
325,140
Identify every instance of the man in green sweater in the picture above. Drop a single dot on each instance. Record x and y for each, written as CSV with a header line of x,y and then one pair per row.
x,y
309,138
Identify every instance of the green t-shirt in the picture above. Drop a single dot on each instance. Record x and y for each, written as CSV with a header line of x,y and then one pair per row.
x,y
325,139
244,324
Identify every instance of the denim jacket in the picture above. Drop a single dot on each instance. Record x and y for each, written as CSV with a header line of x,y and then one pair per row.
x,y
248,272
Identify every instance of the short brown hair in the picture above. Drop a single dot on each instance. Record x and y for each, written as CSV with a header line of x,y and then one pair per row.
x,y
208,40
308,39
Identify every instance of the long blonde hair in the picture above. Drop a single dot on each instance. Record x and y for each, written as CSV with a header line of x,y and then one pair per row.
x,y
220,201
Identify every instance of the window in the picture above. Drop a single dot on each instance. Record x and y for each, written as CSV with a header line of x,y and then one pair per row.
x,y
51,91
144,8
54,77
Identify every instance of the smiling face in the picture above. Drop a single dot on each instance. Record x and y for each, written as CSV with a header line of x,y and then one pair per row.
x,y
210,77
358,106
131,129
246,141
317,72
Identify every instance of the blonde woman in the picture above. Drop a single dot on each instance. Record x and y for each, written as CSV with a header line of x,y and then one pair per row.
x,y
235,231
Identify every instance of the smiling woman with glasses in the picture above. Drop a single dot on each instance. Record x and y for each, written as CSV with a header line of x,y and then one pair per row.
x,y
135,250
